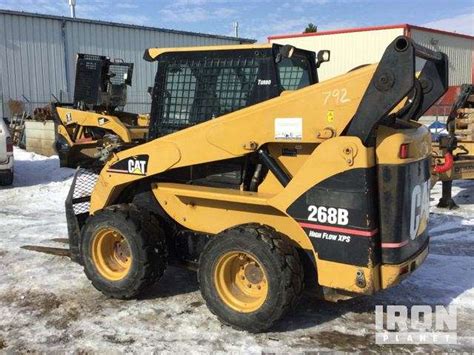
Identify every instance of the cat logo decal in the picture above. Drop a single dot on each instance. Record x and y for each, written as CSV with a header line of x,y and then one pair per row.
x,y
136,165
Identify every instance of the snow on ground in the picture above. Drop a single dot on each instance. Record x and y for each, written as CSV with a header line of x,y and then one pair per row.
x,y
47,303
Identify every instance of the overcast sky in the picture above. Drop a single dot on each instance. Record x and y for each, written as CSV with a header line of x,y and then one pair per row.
x,y
260,18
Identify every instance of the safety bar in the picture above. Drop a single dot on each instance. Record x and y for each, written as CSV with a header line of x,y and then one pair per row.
x,y
393,80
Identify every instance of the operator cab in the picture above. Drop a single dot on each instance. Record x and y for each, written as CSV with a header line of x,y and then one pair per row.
x,y
101,83
193,85
196,84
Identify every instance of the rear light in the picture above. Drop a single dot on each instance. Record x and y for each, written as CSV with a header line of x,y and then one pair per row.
x,y
403,154
9,145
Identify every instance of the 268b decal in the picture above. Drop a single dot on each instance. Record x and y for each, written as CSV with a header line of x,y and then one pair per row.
x,y
329,215
339,216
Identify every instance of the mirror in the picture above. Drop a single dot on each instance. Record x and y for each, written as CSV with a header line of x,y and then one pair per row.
x,y
323,56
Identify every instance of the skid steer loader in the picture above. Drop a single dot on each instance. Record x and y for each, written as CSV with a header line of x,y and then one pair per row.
x,y
454,152
324,186
95,119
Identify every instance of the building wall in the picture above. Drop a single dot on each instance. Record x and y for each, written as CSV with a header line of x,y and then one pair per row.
x,y
357,47
348,50
458,49
32,59
38,54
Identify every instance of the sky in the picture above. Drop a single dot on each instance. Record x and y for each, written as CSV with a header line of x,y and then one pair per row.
x,y
260,18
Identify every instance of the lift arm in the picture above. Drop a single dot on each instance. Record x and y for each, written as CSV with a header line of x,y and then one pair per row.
x,y
393,80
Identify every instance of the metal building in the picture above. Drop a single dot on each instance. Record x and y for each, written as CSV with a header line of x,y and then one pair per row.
x,y
38,54
357,46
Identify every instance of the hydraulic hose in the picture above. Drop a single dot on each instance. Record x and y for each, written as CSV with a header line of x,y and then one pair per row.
x,y
446,166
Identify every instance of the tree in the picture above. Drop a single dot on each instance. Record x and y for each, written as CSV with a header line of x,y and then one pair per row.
x,y
311,28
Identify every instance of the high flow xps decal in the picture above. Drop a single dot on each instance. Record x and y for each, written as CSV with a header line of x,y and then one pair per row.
x,y
339,216
136,165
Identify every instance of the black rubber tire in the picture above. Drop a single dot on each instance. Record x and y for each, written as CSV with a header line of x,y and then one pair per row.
x,y
6,179
147,246
276,256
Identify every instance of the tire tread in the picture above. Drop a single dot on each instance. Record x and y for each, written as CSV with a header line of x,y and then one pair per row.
x,y
151,241
289,263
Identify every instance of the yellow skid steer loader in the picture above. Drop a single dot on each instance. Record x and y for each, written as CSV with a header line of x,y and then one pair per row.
x,y
95,121
323,186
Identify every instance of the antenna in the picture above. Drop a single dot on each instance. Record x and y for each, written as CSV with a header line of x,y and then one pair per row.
x,y
72,6
236,28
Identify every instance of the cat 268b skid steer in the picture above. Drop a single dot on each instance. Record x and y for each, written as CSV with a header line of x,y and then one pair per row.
x,y
324,186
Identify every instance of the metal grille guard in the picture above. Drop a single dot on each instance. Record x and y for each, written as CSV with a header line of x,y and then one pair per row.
x,y
77,207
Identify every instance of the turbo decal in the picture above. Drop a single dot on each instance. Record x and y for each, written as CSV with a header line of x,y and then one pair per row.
x,y
264,82
136,165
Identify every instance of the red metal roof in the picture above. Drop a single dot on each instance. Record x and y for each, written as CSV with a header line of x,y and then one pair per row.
x,y
407,27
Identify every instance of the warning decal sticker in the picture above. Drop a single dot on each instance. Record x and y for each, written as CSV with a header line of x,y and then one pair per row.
x,y
289,128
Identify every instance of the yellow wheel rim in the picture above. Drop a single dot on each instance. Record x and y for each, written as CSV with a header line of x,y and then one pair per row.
x,y
111,254
240,281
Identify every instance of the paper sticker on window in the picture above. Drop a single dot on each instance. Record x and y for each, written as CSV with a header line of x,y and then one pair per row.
x,y
289,128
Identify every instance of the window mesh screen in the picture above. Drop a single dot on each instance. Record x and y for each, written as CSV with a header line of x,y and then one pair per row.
x,y
293,73
118,73
89,72
196,90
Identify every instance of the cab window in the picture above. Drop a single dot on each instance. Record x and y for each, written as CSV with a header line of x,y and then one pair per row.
x,y
294,73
